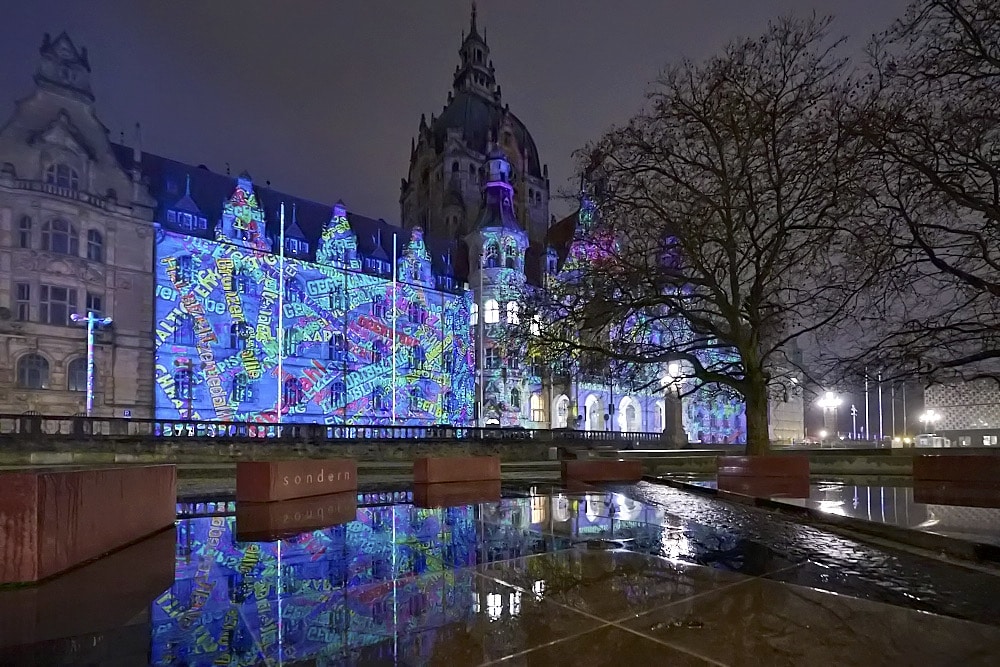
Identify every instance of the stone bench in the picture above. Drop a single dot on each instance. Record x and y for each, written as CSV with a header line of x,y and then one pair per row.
x,y
601,470
269,522
956,468
454,494
51,521
435,470
99,597
269,481
763,466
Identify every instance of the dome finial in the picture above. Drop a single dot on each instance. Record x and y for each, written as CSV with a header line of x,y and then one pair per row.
x,y
472,29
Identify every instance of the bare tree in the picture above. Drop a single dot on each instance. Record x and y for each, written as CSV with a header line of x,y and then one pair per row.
x,y
724,227
933,128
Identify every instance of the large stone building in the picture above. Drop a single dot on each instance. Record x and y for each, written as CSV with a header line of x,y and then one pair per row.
x,y
76,234
233,302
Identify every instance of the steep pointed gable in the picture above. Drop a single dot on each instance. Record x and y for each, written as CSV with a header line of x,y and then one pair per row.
x,y
243,218
338,246
415,264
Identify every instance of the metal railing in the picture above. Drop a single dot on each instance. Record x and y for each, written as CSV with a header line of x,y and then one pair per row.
x,y
63,427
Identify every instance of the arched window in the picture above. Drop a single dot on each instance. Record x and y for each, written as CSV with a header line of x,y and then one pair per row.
x,y
63,176
76,374
378,398
492,312
515,398
183,388
513,310
491,258
241,388
510,256
95,246
338,392
24,232
338,346
184,335
293,392
474,314
454,167
60,237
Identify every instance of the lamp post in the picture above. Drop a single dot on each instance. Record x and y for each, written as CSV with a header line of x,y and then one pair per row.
x,y
928,419
854,422
93,321
829,402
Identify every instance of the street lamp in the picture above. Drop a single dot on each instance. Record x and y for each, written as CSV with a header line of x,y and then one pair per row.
x,y
829,402
928,419
93,321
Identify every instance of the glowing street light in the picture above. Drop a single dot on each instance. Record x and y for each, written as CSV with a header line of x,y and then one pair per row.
x,y
93,321
829,402
929,418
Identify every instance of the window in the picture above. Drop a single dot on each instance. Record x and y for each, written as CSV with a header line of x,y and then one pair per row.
x,y
417,314
536,365
293,291
512,312
378,398
185,332
449,402
513,363
60,237
33,372
56,304
492,358
536,325
417,357
416,393
515,399
62,176
474,314
76,375
537,412
292,394
241,388
335,299
338,346
510,257
95,246
378,308
183,387
94,303
24,232
238,336
22,293
492,312
454,167
338,392
185,268
290,343
490,257
449,362
243,284
378,351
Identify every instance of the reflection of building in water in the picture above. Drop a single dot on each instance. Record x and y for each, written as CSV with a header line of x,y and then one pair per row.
x,y
341,589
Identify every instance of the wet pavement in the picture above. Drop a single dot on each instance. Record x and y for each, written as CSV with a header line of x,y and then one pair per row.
x,y
544,576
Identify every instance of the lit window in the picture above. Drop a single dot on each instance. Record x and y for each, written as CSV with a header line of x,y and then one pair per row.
x,y
76,375
512,312
474,314
537,412
492,312
62,176
33,372
60,237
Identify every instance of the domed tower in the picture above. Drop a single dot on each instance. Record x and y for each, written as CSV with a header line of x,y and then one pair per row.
x,y
443,189
497,245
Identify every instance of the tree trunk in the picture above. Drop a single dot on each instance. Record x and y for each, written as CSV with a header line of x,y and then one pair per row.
x,y
755,395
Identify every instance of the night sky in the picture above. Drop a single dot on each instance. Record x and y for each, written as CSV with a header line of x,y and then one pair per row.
x,y
321,97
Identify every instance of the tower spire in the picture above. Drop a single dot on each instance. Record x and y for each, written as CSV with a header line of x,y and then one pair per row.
x,y
472,23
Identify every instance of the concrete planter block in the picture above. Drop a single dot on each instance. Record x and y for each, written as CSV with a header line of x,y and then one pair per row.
x,y
51,521
956,468
269,481
436,470
600,470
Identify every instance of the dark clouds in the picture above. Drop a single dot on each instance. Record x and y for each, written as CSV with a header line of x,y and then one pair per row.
x,y
322,96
